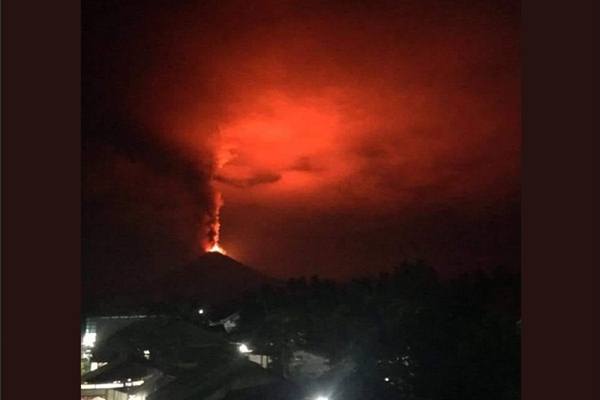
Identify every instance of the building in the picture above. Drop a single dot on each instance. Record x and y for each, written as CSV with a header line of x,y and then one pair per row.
x,y
96,329
169,358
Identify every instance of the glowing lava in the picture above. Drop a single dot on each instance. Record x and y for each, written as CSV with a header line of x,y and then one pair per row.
x,y
217,249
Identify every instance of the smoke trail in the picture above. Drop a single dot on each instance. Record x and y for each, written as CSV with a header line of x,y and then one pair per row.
x,y
213,223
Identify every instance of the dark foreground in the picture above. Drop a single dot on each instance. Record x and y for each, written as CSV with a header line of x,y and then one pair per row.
x,y
403,335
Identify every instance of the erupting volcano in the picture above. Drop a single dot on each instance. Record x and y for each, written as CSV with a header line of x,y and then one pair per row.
x,y
212,245
381,130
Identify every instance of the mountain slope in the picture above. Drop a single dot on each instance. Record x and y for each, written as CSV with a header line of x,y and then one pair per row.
x,y
212,278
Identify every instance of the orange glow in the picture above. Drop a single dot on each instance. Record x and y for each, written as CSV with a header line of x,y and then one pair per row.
x,y
215,227
217,249
302,117
281,146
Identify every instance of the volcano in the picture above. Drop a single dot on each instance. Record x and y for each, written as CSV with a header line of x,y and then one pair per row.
x,y
211,278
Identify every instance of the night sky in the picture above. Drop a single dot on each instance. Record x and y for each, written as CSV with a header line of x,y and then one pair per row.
x,y
340,137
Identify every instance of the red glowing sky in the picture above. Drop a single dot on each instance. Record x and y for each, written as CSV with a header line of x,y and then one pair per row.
x,y
343,137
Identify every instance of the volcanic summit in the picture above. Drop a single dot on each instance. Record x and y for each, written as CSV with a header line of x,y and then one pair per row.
x,y
212,277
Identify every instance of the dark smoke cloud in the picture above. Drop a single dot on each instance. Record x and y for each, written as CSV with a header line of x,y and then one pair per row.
x,y
260,178
145,209
148,203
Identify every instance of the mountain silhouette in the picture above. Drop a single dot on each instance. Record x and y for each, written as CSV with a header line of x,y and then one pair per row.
x,y
212,278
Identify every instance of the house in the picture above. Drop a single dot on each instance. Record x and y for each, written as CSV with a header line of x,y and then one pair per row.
x,y
96,329
229,381
123,376
166,358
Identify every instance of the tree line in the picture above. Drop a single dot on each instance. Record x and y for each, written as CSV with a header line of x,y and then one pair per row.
x,y
407,333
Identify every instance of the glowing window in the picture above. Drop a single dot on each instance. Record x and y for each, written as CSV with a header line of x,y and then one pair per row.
x,y
89,339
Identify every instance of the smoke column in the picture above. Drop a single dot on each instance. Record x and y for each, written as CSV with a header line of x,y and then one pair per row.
x,y
214,226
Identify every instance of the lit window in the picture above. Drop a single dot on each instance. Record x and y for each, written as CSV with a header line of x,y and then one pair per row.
x,y
147,354
89,339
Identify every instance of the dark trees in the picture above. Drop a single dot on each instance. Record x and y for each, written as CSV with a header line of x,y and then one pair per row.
x,y
406,332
